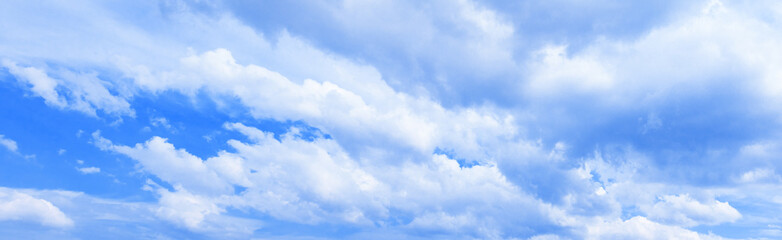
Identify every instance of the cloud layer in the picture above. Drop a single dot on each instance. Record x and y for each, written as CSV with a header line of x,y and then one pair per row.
x,y
445,119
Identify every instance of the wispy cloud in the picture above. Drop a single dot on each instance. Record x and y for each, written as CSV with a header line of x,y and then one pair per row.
x,y
8,144
88,170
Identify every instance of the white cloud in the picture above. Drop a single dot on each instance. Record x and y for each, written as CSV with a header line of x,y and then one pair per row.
x,y
702,48
686,211
639,228
185,208
8,144
88,170
461,42
114,216
19,206
555,71
758,174
175,166
311,182
83,92
342,95
42,84
372,118
379,161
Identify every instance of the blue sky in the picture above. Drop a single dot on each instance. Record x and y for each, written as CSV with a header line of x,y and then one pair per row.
x,y
562,119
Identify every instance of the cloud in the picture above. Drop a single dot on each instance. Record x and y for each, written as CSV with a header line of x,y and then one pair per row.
x,y
313,182
88,170
185,208
97,217
159,157
421,51
42,85
462,133
715,61
640,228
160,122
19,206
81,92
8,144
367,111
685,211
759,174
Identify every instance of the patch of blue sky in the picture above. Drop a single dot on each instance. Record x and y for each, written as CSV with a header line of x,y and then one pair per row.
x,y
192,123
42,131
463,162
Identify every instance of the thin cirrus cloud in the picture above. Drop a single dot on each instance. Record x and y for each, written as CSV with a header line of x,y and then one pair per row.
x,y
89,170
444,119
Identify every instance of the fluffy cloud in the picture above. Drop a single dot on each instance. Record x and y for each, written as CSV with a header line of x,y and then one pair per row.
x,y
19,206
75,91
340,97
185,208
438,148
177,166
373,115
685,211
712,59
310,182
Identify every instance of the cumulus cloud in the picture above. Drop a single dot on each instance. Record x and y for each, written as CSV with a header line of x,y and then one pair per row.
x,y
373,123
185,208
401,154
315,181
685,211
19,206
374,114
159,157
703,56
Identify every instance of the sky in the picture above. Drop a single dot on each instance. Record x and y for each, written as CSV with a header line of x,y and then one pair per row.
x,y
345,119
